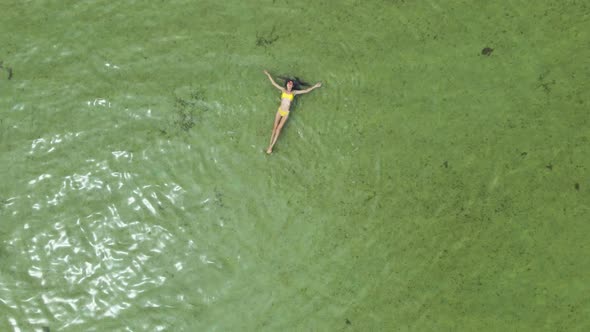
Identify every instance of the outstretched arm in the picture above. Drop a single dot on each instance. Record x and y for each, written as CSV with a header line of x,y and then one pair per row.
x,y
299,92
273,81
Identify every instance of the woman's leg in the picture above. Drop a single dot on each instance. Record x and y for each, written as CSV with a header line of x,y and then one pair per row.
x,y
274,128
282,121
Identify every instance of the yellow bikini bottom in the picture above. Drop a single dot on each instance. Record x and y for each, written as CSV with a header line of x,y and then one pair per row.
x,y
282,112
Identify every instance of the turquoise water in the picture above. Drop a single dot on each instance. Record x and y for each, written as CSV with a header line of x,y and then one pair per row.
x,y
426,186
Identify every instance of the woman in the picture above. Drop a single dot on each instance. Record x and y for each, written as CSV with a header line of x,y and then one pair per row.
x,y
283,113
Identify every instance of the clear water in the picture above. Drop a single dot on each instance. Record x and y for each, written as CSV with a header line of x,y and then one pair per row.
x,y
425,187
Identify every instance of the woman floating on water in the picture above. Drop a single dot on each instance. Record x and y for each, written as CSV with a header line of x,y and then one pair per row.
x,y
283,113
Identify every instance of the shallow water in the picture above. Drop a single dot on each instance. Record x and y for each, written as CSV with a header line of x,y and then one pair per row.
x,y
425,187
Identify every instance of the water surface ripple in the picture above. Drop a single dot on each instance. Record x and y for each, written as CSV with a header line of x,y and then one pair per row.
x,y
425,187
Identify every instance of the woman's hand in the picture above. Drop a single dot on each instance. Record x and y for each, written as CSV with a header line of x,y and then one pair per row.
x,y
318,84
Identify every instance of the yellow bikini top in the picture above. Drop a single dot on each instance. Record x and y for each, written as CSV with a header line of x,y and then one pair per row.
x,y
287,95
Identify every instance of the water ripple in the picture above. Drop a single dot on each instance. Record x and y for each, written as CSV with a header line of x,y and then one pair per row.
x,y
99,102
49,144
92,254
96,265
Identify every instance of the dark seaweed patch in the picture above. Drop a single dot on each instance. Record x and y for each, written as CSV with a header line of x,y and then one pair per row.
x,y
219,198
187,110
348,322
577,186
266,39
545,84
549,167
8,69
487,51
371,196
446,164
185,117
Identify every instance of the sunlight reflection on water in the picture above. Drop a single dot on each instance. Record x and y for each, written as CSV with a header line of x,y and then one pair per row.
x,y
96,265
96,256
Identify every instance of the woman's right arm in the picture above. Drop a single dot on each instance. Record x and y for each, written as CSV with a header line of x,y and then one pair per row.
x,y
273,81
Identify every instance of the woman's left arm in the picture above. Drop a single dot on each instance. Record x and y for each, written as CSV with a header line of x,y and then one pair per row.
x,y
299,92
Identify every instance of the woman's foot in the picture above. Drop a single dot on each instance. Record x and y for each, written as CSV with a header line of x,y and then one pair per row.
x,y
269,151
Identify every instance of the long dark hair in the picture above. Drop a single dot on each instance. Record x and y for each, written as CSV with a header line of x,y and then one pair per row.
x,y
298,83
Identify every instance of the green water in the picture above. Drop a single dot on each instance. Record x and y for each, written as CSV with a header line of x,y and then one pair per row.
x,y
424,187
